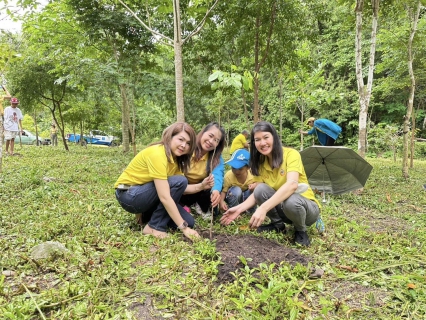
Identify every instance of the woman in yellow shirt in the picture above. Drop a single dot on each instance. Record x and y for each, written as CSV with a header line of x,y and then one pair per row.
x,y
280,170
207,163
154,181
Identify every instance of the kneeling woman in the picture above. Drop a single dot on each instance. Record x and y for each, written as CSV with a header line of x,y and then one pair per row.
x,y
280,170
154,181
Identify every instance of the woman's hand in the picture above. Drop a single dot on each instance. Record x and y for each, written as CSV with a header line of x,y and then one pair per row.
x,y
223,206
208,182
252,186
190,233
257,218
215,198
230,215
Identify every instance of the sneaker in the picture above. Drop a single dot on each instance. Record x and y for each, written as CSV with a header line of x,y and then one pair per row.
x,y
271,227
301,237
198,210
187,209
207,216
320,226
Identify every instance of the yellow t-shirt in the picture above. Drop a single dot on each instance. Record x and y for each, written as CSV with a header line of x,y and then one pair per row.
x,y
292,162
231,181
149,164
197,170
53,130
238,143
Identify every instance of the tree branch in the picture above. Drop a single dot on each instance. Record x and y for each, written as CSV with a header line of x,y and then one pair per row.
x,y
155,33
201,23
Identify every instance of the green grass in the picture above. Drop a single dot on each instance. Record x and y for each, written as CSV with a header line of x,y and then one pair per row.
x,y
372,253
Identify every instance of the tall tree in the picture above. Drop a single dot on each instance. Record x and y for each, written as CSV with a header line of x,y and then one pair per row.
x,y
177,42
364,92
413,15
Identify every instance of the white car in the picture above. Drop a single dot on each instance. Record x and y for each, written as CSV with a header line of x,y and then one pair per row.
x,y
100,137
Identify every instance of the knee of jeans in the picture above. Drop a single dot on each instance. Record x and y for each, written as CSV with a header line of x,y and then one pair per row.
x,y
260,191
292,202
179,181
234,192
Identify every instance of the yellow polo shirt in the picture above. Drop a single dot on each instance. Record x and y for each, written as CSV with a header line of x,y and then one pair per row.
x,y
238,143
197,170
292,162
149,164
231,181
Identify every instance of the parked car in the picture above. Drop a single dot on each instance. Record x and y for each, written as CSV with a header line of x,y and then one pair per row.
x,y
27,137
95,137
100,137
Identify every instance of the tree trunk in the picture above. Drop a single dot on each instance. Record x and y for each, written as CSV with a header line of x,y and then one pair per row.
x,y
259,62
245,108
256,74
177,44
1,140
364,93
125,118
281,107
414,17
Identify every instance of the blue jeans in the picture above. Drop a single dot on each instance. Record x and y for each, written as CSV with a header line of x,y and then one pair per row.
x,y
235,196
296,209
144,199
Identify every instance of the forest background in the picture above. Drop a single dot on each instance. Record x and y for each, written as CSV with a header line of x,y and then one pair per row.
x,y
111,66
92,65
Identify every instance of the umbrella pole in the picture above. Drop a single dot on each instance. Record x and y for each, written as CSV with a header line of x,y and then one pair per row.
x,y
323,188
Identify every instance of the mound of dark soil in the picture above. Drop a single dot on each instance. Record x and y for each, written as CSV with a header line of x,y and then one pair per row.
x,y
255,250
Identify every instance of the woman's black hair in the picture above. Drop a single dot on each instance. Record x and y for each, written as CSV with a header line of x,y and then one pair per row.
x,y
217,152
256,158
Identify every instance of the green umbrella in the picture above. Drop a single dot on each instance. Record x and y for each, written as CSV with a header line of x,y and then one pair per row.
x,y
335,170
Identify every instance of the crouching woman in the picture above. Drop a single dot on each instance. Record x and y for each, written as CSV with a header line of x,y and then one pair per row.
x,y
280,171
154,181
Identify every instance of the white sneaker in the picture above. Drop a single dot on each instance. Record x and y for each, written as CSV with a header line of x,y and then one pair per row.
x,y
302,187
198,210
207,216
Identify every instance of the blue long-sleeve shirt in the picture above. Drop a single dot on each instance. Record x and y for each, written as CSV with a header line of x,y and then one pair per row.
x,y
323,128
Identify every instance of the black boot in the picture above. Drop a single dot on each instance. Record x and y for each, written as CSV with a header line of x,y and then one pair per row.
x,y
302,238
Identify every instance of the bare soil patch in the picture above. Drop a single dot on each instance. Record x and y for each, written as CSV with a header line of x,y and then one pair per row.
x,y
255,249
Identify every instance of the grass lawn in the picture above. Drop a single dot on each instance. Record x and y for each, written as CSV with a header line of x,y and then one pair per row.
x,y
372,256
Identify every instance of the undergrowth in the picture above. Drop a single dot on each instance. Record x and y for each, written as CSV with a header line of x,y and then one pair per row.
x,y
372,254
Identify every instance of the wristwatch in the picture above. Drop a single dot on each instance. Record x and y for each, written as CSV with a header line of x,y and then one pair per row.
x,y
183,226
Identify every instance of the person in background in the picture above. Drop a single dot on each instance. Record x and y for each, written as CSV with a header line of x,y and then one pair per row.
x,y
326,130
206,165
12,124
281,171
240,142
154,181
239,183
54,135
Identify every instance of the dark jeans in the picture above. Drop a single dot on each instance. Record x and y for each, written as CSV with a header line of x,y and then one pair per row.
x,y
144,199
330,141
202,198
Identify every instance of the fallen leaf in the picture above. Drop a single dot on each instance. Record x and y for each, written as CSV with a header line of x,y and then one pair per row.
x,y
388,198
411,286
244,228
348,268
